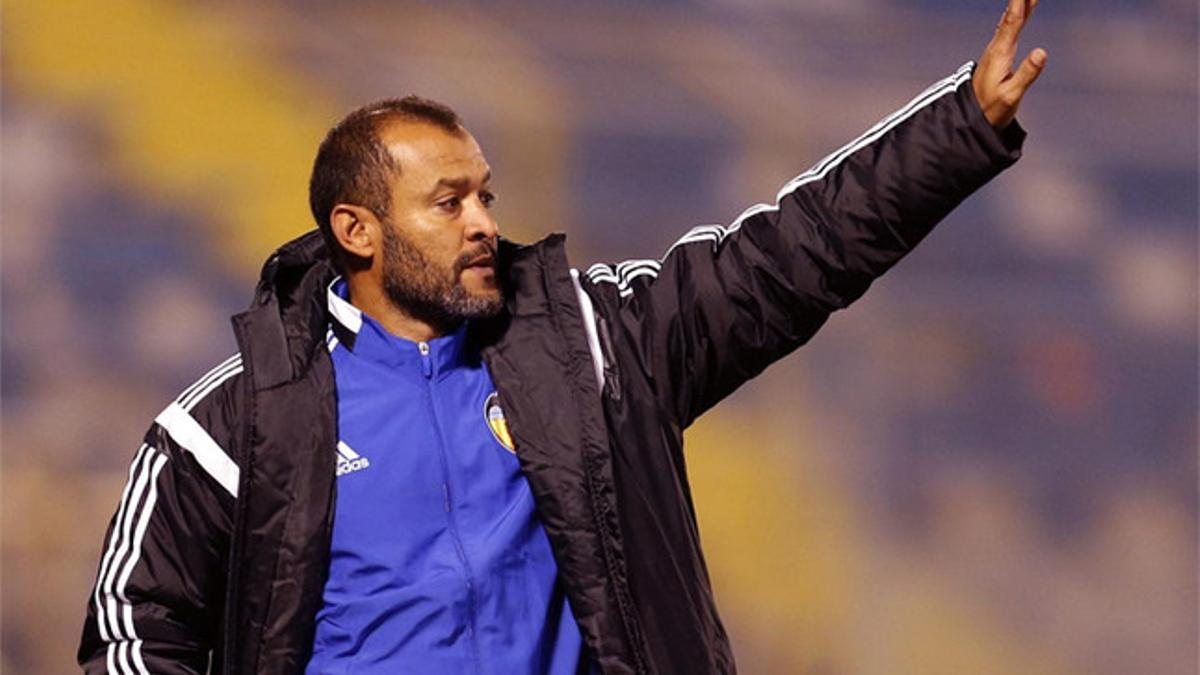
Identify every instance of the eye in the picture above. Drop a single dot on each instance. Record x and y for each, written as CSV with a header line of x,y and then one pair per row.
x,y
449,203
487,198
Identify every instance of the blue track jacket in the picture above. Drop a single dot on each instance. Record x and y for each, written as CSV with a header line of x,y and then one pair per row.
x,y
438,562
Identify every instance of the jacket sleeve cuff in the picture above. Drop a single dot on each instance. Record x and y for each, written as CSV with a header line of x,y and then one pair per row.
x,y
1003,145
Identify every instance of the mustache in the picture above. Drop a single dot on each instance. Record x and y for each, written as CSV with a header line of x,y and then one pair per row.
x,y
485,249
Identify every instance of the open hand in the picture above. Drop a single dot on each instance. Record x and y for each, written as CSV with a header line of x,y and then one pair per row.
x,y
997,88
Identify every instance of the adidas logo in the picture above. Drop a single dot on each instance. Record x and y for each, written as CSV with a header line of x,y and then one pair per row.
x,y
349,460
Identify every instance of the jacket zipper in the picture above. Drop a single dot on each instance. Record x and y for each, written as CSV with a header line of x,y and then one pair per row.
x,y
448,503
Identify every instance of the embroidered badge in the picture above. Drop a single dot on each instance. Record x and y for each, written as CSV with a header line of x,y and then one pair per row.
x,y
494,416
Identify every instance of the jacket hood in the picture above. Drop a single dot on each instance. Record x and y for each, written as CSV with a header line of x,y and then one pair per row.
x,y
288,316
284,271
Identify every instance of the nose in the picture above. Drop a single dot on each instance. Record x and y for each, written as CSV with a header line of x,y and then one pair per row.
x,y
480,223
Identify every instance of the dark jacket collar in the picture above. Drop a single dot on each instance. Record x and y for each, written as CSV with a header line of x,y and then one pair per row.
x,y
288,318
288,315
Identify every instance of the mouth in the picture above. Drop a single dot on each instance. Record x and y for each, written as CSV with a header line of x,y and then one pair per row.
x,y
488,261
478,263
483,256
480,270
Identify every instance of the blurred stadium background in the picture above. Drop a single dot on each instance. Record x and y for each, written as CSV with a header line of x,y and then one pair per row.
x,y
988,465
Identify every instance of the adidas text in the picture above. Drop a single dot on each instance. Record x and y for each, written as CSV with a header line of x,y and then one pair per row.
x,y
345,467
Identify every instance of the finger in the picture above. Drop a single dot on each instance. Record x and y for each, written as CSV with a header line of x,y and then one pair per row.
x,y
1010,24
1028,72
1030,5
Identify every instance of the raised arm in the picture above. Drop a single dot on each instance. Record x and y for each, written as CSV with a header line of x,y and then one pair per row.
x,y
726,301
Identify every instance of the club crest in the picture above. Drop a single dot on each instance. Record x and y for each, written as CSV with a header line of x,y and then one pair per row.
x,y
493,414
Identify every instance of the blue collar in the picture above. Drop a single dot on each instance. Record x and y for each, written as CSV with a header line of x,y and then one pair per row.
x,y
366,338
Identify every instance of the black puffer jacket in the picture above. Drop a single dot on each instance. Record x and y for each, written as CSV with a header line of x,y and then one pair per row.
x,y
220,543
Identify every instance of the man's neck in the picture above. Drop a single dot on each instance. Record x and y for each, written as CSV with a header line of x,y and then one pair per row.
x,y
374,301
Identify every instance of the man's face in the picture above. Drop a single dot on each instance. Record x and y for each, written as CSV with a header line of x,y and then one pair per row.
x,y
439,241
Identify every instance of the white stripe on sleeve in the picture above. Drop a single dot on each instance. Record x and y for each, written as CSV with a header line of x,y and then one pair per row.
x,y
589,328
110,662
114,541
137,658
111,603
139,489
123,657
623,273
203,381
138,536
192,437
218,378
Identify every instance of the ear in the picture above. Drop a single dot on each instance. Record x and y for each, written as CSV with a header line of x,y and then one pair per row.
x,y
357,229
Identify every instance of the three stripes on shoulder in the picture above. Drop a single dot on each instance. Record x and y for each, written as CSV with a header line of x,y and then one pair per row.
x,y
183,428
114,612
622,274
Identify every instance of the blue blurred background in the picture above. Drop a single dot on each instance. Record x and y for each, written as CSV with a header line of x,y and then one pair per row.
x,y
988,465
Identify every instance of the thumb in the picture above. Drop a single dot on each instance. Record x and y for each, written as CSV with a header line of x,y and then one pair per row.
x,y
1029,70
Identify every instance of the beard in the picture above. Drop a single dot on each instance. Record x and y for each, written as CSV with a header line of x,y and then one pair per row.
x,y
431,293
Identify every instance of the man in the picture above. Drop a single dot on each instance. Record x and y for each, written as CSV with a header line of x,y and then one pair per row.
x,y
437,451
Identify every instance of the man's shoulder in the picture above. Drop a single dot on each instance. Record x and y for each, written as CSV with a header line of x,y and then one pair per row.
x,y
210,404
197,430
217,382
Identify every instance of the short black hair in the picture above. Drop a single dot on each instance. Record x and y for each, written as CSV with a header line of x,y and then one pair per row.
x,y
353,165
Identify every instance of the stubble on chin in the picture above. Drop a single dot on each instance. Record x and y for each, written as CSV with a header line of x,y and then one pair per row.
x,y
416,286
